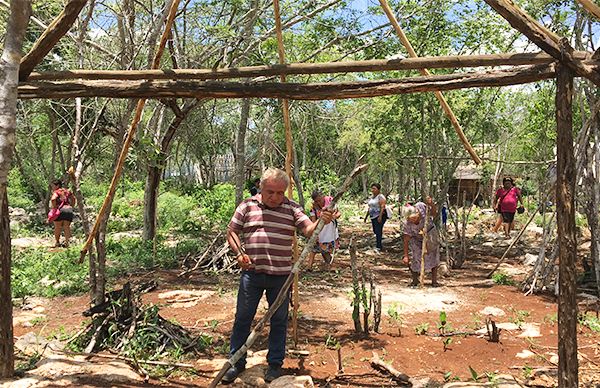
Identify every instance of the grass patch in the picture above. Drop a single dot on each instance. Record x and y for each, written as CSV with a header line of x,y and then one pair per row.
x,y
503,279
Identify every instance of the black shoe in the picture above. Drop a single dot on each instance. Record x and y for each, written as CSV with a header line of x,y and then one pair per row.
x,y
273,372
232,374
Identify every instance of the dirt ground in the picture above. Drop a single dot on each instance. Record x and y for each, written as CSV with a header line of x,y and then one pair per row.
x,y
528,340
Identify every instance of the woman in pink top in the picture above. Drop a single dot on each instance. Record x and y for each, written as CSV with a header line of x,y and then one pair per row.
x,y
505,204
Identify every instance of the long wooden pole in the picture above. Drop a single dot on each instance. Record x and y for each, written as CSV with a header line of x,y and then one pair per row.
x,y
591,7
289,144
425,72
512,244
297,91
548,41
56,30
130,134
288,282
567,246
374,65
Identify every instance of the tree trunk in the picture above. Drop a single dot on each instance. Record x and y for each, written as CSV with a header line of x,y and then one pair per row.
x,y
9,79
565,189
156,169
240,151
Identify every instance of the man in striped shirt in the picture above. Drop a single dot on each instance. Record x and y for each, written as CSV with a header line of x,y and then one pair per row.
x,y
266,224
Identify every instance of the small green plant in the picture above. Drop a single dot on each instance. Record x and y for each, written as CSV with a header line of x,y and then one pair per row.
x,y
474,375
492,377
527,371
394,315
331,342
213,323
447,342
27,365
503,279
443,325
551,319
422,328
590,322
205,341
447,376
477,321
38,321
518,317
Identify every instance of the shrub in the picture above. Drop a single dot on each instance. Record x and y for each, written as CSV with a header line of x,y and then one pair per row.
x,y
36,271
18,195
217,204
502,278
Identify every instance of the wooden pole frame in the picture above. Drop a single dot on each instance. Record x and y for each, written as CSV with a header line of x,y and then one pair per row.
x,y
374,65
438,94
160,89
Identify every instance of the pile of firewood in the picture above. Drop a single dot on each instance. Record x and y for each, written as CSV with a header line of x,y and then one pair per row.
x,y
216,257
122,325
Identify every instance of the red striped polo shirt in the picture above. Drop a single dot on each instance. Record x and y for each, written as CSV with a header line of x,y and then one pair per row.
x,y
268,233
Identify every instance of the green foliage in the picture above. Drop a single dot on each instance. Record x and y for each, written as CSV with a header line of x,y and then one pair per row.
x,y
502,278
447,342
422,328
331,342
18,191
519,316
217,204
177,212
129,254
49,274
474,375
551,319
590,321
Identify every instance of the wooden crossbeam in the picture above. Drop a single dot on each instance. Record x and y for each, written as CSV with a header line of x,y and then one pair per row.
x,y
442,62
551,43
159,89
591,7
56,30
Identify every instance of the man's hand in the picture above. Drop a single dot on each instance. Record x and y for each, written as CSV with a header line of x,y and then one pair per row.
x,y
327,216
244,261
406,260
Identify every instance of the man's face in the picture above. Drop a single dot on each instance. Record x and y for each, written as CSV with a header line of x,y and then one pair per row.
x,y
507,184
320,201
273,192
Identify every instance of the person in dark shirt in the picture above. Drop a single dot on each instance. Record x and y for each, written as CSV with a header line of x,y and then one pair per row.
x,y
255,189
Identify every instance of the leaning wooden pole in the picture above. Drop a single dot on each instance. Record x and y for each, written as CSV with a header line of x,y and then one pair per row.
x,y
425,72
591,7
567,247
49,38
289,144
286,286
512,244
130,134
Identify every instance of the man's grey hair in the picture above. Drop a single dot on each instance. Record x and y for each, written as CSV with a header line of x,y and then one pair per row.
x,y
274,174
409,211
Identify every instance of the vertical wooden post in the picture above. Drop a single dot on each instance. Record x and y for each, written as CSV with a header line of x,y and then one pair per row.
x,y
565,188
289,142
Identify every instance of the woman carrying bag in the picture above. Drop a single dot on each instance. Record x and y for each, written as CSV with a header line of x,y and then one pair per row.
x,y
61,212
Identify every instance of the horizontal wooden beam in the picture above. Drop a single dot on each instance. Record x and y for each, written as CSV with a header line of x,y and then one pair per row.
x,y
513,59
159,89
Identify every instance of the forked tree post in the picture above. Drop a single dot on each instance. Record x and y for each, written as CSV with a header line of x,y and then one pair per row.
x,y
565,189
